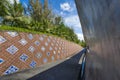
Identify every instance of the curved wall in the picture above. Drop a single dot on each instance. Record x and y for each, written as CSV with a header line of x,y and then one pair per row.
x,y
100,21
20,51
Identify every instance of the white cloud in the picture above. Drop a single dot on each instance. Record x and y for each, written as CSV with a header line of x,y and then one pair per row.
x,y
66,7
80,36
12,1
72,21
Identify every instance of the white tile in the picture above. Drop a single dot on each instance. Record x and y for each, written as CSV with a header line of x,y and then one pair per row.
x,y
2,40
43,48
50,48
13,34
23,42
46,44
31,49
41,38
52,58
30,36
45,60
38,55
12,49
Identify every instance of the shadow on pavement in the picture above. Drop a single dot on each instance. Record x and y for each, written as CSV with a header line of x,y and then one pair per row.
x,y
68,70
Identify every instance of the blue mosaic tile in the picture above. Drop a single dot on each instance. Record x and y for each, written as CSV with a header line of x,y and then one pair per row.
x,y
23,57
11,69
48,53
33,64
1,60
30,36
12,49
37,43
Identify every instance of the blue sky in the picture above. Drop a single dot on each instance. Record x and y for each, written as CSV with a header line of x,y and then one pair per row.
x,y
66,9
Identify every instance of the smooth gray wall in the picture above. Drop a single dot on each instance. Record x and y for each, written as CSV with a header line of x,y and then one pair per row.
x,y
100,21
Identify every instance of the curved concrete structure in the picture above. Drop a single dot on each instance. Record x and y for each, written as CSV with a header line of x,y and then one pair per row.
x,y
100,21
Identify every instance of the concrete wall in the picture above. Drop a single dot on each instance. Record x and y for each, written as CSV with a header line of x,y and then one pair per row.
x,y
19,51
100,21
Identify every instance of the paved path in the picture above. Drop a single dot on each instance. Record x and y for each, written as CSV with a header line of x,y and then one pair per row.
x,y
68,70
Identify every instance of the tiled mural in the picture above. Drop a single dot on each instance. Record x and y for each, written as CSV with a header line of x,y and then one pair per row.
x,y
20,51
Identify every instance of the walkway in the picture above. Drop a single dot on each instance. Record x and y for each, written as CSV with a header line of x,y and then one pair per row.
x,y
68,70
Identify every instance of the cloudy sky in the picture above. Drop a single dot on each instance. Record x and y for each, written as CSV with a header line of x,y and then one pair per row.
x,y
66,9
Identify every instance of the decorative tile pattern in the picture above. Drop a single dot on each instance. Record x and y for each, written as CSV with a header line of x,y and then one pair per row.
x,y
31,49
30,36
23,42
50,48
2,40
45,60
41,38
13,34
12,49
11,69
43,48
33,64
52,58
48,53
54,52
38,55
48,40
23,57
37,43
1,60
46,44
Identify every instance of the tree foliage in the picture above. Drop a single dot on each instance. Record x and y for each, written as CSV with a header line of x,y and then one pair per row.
x,y
39,18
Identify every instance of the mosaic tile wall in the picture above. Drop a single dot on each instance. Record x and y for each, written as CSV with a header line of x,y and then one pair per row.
x,y
20,51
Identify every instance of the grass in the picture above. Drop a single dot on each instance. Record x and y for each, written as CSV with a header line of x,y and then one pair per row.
x,y
18,29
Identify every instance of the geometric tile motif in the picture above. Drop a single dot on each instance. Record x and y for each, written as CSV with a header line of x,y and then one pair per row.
x,y
46,44
50,48
48,40
23,42
33,64
12,49
2,40
31,49
52,58
30,36
54,52
45,60
38,55
11,69
1,60
41,38
12,34
43,48
48,53
23,57
37,43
